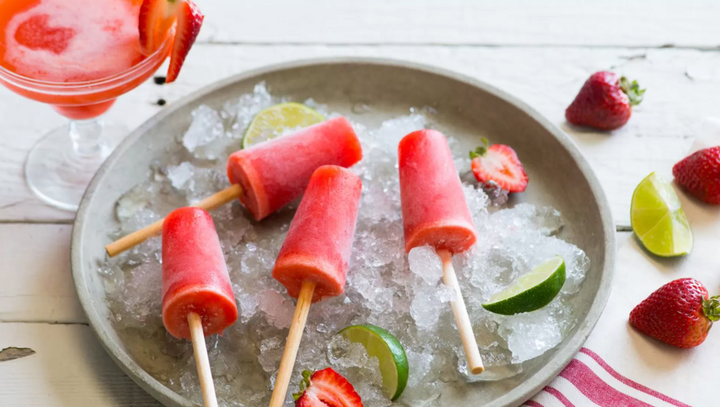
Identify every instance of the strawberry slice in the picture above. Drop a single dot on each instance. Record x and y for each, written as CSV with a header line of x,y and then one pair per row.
x,y
326,388
189,21
499,163
154,23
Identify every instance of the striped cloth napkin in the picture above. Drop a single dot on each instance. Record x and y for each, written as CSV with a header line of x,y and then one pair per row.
x,y
658,375
589,381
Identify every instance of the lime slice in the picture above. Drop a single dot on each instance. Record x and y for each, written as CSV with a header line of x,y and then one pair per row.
x,y
658,219
531,291
276,120
385,346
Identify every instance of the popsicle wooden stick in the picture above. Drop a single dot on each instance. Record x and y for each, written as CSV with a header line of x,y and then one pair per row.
x,y
133,239
202,361
472,353
293,343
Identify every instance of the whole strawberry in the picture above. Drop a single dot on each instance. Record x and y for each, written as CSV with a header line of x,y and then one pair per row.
x,y
699,173
604,102
680,313
326,388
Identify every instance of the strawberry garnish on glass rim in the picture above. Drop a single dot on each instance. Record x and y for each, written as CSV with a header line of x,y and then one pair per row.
x,y
156,21
326,388
498,164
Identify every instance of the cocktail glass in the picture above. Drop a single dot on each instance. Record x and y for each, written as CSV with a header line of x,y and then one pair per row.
x,y
60,166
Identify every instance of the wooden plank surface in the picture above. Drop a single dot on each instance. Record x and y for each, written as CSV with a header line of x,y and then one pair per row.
x,y
37,284
685,23
69,368
683,89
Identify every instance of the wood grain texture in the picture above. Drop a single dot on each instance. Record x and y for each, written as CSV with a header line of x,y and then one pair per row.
x,y
69,368
202,361
292,344
133,239
485,22
462,319
683,89
37,284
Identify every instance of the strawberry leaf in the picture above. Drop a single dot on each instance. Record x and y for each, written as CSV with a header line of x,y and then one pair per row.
x,y
632,89
480,151
711,308
304,384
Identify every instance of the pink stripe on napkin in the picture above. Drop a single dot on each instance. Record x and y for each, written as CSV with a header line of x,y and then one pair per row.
x,y
589,381
631,383
595,389
558,395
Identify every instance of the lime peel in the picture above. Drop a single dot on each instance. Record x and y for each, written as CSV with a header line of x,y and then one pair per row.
x,y
658,220
531,291
380,343
278,119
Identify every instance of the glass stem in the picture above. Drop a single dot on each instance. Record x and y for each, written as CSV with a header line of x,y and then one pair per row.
x,y
85,136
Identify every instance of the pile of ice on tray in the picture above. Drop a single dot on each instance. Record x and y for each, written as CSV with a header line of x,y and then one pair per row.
x,y
385,287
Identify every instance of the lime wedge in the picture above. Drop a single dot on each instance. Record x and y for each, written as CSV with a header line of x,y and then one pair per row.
x,y
658,219
531,291
276,120
385,346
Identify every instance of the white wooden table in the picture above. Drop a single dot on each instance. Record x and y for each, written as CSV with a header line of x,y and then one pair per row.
x,y
541,52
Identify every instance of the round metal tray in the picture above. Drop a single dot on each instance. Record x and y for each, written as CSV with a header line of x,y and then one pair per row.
x,y
467,108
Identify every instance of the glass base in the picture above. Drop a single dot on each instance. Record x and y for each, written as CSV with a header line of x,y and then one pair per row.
x,y
57,175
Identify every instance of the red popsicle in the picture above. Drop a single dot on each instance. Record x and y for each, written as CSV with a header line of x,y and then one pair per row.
x,y
318,244
274,173
435,213
195,278
434,209
313,261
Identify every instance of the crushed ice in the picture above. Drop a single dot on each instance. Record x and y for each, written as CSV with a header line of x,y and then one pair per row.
x,y
402,293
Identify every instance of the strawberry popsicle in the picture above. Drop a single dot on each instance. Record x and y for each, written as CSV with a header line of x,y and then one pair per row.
x,y
434,209
274,173
194,275
313,261
435,213
318,244
270,175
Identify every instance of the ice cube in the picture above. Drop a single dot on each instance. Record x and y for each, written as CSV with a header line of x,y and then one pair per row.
x,y
271,351
426,264
392,131
277,308
426,307
180,175
204,137
248,303
419,364
495,193
244,109
138,198
319,107
352,361
141,296
445,293
529,335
